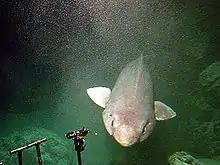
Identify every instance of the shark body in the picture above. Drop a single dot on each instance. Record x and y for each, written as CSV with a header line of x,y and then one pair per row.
x,y
130,111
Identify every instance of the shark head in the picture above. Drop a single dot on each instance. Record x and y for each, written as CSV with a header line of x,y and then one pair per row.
x,y
127,135
126,128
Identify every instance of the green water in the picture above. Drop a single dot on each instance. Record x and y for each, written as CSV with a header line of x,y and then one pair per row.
x,y
56,50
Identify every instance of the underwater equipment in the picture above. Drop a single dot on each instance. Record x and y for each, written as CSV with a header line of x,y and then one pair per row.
x,y
36,144
78,137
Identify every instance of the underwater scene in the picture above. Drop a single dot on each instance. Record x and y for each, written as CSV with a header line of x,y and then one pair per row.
x,y
110,82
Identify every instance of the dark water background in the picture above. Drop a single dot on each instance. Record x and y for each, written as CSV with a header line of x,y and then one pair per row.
x,y
52,51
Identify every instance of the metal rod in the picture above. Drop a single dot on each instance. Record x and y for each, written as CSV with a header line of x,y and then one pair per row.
x,y
38,154
79,158
78,150
20,157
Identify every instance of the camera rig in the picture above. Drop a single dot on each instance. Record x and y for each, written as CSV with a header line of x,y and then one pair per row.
x,y
78,137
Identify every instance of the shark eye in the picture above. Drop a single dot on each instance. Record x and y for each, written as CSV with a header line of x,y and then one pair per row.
x,y
145,127
112,123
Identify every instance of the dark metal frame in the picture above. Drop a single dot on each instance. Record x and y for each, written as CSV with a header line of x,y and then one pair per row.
x,y
36,144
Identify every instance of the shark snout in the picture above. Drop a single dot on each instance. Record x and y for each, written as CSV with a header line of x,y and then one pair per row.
x,y
126,135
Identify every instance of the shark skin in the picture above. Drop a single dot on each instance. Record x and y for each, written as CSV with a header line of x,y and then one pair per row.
x,y
130,112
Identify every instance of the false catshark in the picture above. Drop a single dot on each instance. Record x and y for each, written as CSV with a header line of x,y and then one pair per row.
x,y
130,111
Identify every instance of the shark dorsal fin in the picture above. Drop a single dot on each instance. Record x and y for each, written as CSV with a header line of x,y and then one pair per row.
x,y
163,111
100,95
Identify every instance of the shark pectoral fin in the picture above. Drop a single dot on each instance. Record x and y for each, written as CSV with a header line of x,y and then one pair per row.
x,y
163,111
100,95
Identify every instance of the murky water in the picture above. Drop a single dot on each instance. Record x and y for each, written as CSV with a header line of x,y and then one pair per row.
x,y
53,51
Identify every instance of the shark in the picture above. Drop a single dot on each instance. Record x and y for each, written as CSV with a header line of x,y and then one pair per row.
x,y
130,111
